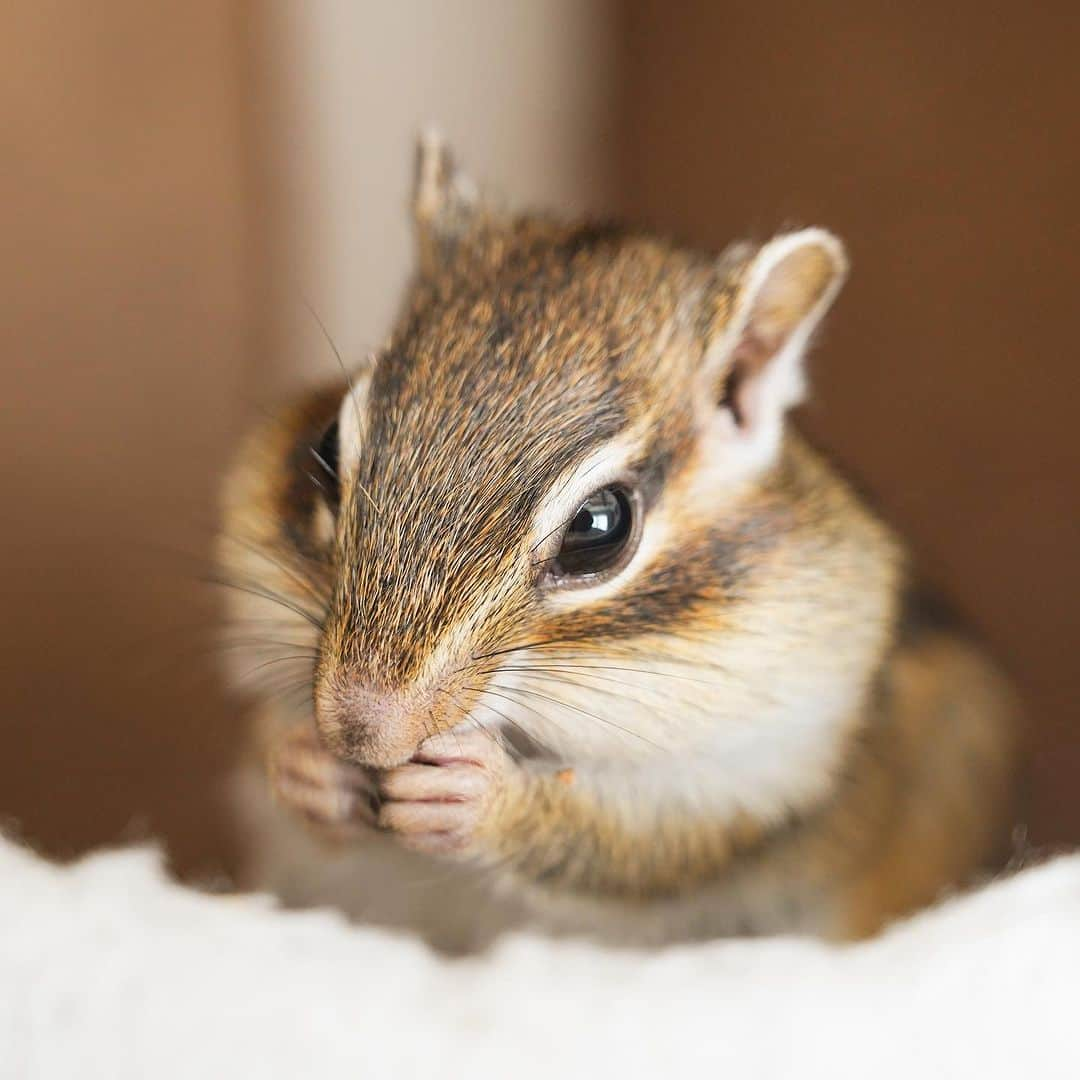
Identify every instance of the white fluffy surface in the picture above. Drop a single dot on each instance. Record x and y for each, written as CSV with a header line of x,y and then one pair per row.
x,y
109,970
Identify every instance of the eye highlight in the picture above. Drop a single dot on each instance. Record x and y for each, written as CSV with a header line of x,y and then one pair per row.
x,y
599,539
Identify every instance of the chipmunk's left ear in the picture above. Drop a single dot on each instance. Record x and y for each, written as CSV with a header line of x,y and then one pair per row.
x,y
446,203
774,302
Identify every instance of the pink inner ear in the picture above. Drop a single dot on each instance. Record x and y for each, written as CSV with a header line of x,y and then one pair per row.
x,y
795,273
739,392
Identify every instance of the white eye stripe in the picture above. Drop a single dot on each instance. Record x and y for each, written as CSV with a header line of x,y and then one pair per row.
x,y
353,421
598,470
601,469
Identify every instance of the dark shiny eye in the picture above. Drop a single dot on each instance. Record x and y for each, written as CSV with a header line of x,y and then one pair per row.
x,y
326,456
600,536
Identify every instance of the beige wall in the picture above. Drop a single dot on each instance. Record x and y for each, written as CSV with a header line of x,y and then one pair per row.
x,y
123,330
523,91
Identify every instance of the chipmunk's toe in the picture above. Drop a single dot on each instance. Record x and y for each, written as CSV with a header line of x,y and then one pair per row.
x,y
437,801
325,791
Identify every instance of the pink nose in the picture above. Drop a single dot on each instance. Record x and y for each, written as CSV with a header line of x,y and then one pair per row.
x,y
367,726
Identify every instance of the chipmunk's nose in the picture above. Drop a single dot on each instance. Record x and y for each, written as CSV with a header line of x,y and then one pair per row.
x,y
365,725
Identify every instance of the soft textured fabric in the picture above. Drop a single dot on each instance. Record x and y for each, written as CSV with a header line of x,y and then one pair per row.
x,y
107,969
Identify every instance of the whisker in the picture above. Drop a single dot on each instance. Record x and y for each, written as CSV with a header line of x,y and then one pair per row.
x,y
262,643
558,494
261,552
527,645
352,388
273,598
631,651
332,473
277,660
520,704
582,669
513,723
585,712
618,691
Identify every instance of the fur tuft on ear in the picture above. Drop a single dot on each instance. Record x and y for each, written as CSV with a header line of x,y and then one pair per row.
x,y
445,202
755,366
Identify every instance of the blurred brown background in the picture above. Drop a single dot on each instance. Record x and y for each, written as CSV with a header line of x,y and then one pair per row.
x,y
175,177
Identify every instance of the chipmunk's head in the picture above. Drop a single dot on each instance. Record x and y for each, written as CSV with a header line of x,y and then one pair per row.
x,y
561,497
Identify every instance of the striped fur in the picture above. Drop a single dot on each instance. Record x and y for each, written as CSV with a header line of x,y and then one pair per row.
x,y
756,736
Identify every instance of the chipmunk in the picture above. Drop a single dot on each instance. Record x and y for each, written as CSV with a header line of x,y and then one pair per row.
x,y
579,620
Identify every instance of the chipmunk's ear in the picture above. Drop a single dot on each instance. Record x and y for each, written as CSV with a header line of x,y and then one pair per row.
x,y
765,317
445,202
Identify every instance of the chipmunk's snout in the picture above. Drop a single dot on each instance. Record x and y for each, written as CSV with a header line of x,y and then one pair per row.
x,y
371,726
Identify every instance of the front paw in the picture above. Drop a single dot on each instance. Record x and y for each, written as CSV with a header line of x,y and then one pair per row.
x,y
440,802
336,797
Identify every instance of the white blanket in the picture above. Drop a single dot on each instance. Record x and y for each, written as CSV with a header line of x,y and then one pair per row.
x,y
107,969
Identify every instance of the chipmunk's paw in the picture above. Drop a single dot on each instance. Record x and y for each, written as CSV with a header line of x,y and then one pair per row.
x,y
439,802
328,793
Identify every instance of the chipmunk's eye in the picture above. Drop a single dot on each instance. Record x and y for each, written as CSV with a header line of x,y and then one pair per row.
x,y
600,537
326,455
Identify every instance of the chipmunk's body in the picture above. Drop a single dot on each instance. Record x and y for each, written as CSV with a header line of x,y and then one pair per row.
x,y
579,614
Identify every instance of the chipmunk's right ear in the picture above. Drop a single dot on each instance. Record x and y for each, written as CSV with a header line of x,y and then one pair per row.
x,y
446,203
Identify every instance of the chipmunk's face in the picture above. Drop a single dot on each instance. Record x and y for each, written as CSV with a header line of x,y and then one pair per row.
x,y
552,493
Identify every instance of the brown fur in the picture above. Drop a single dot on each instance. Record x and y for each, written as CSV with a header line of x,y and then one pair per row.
x,y
526,344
